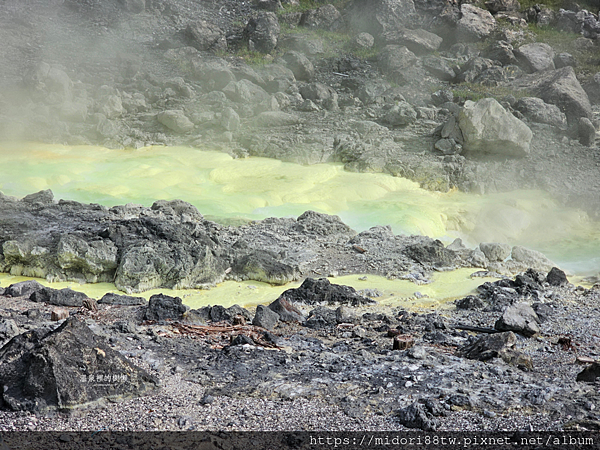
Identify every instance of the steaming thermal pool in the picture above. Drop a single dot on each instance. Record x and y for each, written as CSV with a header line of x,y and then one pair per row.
x,y
231,190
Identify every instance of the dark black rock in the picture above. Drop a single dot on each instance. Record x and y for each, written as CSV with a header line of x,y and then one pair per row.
x,y
499,345
218,313
265,317
543,311
59,297
314,292
125,300
469,302
286,311
237,310
162,307
321,317
488,347
416,416
590,373
556,277
23,289
66,368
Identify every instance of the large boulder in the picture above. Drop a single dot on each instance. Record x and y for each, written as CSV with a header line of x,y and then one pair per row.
x,y
535,57
59,297
378,16
176,121
475,24
559,87
531,258
66,368
398,63
537,110
499,345
418,41
300,65
205,36
592,88
262,32
489,129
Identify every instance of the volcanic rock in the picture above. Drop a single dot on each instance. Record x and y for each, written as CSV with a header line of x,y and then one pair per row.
x,y
125,300
261,266
66,368
475,24
205,36
590,373
535,57
418,41
537,110
265,317
162,307
520,318
59,297
488,128
299,64
23,288
321,291
559,87
326,17
556,277
286,311
378,16
496,345
586,131
416,416
262,32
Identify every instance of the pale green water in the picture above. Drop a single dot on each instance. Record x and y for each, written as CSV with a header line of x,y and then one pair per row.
x,y
255,188
446,286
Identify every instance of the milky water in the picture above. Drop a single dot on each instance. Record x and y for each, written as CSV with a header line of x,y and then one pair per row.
x,y
234,190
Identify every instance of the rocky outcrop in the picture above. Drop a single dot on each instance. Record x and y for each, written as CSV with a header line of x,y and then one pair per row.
x,y
66,368
487,128
204,36
559,87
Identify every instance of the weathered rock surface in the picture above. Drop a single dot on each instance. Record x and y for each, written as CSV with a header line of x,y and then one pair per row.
x,y
559,87
475,24
66,368
535,57
321,291
162,307
488,128
262,32
520,318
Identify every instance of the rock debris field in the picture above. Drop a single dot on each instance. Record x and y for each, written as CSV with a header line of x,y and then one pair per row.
x,y
480,98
